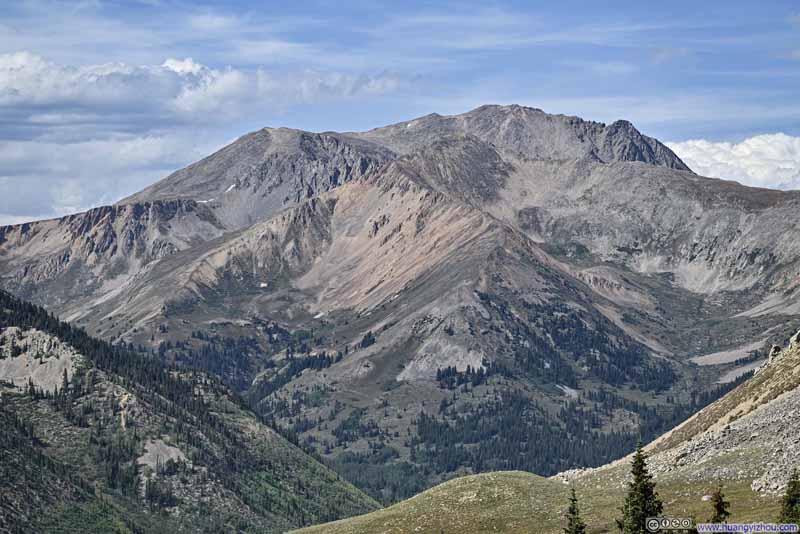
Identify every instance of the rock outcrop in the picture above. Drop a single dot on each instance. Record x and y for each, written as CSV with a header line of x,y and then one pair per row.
x,y
265,171
32,357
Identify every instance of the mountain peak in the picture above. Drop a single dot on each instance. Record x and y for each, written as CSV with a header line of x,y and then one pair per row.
x,y
271,168
531,134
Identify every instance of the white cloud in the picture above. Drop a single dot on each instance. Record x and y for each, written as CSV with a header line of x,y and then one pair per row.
x,y
667,54
6,219
48,179
177,89
76,136
29,80
769,160
604,68
183,66
267,51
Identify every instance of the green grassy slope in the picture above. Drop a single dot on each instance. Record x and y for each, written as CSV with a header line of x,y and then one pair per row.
x,y
514,502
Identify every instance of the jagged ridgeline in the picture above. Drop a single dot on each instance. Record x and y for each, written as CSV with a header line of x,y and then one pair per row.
x,y
500,289
101,438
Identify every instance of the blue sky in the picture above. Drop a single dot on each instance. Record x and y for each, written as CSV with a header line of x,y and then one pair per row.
x,y
100,98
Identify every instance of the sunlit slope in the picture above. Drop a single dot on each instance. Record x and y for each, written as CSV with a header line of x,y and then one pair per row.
x,y
746,441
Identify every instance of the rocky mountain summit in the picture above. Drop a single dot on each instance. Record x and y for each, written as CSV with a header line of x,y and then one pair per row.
x,y
531,134
375,291
264,171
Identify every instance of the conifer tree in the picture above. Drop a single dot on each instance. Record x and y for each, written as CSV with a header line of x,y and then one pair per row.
x,y
64,382
720,507
575,524
790,511
642,500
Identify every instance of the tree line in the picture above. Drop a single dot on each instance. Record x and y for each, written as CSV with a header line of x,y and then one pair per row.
x,y
642,502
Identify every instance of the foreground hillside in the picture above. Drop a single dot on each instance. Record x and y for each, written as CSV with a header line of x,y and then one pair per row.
x,y
747,441
97,438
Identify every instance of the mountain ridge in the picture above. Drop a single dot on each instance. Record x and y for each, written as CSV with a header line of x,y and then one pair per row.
x,y
523,130
500,261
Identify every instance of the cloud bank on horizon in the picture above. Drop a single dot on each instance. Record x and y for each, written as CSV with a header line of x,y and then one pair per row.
x,y
768,160
98,99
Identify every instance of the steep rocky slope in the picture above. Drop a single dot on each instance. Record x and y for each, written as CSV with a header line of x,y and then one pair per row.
x,y
376,291
74,263
264,171
531,134
119,439
750,434
747,441
407,281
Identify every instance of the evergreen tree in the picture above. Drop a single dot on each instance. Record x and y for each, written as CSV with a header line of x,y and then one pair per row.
x,y
642,500
790,511
64,382
720,507
575,524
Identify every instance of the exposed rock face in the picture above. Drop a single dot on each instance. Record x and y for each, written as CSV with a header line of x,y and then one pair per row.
x,y
31,356
191,446
625,197
158,452
531,134
80,259
267,170
464,166
490,240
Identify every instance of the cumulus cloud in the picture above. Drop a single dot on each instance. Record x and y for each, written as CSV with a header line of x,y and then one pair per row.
x,y
769,160
76,136
183,66
178,89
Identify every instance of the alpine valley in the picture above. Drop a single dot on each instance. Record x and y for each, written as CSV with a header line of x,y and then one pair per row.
x,y
303,326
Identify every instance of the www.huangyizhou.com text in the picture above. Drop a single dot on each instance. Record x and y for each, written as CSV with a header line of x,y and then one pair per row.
x,y
747,527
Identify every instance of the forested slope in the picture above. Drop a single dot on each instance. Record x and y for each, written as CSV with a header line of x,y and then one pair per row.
x,y
119,442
